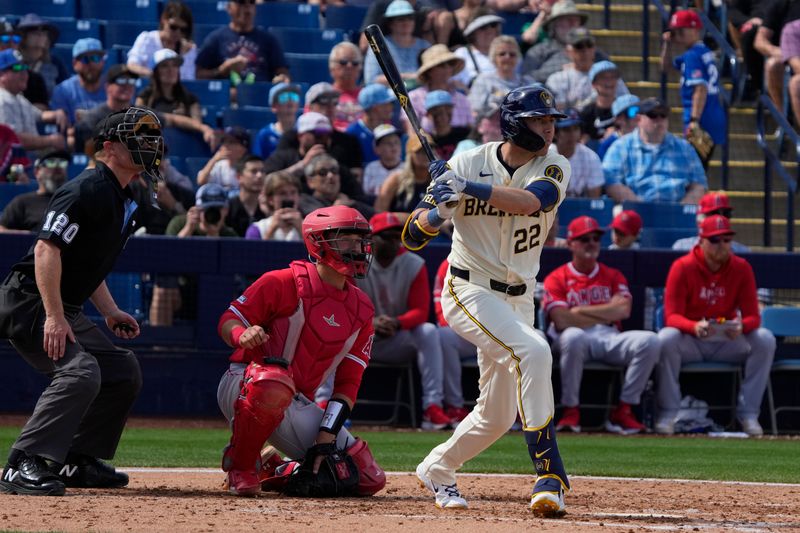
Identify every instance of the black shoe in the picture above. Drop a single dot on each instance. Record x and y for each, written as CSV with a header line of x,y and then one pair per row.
x,y
88,472
32,477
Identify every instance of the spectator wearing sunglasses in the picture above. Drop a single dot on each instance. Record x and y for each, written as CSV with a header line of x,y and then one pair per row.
x,y
284,99
652,165
174,31
26,211
36,91
504,54
712,203
85,89
377,101
38,37
586,301
625,111
18,113
711,314
345,64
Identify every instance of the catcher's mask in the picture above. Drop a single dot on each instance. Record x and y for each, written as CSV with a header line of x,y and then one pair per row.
x,y
139,129
322,232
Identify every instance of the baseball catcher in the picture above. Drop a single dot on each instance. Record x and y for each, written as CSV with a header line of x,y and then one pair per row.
x,y
290,330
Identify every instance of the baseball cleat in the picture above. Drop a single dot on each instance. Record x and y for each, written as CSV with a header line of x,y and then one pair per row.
x,y
242,483
447,496
547,500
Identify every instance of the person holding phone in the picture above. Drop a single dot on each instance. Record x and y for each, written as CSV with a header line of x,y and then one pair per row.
x,y
244,208
279,195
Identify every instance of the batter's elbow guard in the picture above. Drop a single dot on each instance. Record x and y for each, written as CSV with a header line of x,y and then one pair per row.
x,y
415,236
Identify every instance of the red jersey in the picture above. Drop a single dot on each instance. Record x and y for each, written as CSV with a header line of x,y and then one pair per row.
x,y
693,292
567,287
438,285
315,326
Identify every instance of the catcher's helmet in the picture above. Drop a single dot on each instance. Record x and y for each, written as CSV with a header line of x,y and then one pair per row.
x,y
139,129
322,231
529,101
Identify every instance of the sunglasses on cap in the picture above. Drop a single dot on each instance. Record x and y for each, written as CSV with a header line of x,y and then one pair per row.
x,y
54,163
92,58
6,39
346,62
124,80
655,115
285,98
716,239
586,239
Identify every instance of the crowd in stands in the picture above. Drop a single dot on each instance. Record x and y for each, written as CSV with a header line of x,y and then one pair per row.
x,y
342,140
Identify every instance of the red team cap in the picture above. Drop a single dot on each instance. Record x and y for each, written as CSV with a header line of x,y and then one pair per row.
x,y
685,18
714,201
581,226
715,225
386,221
628,222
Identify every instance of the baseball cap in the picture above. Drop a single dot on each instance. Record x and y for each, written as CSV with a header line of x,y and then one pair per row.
x,y
713,201
384,130
600,67
715,225
320,90
685,18
652,104
628,222
437,98
85,46
236,134
120,70
623,103
165,54
398,8
52,154
580,35
480,22
313,121
211,195
374,94
385,221
10,57
572,118
280,88
582,226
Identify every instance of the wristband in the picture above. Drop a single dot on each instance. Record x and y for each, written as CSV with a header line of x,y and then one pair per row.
x,y
236,334
481,191
434,219
335,415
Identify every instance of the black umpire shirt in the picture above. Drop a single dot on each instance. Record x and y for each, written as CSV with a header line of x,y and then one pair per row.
x,y
90,219
26,211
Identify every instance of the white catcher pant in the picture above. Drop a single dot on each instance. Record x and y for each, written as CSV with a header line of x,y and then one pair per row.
x,y
300,425
515,366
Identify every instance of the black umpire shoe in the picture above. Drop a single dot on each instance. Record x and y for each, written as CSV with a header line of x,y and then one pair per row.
x,y
84,471
31,476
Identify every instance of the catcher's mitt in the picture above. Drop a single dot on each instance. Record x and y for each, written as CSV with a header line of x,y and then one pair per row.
x,y
700,140
337,476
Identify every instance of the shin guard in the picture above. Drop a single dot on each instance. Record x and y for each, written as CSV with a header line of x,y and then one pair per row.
x,y
543,450
371,477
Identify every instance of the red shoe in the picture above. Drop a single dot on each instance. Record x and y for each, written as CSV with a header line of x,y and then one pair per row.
x,y
571,420
434,418
622,420
456,415
242,483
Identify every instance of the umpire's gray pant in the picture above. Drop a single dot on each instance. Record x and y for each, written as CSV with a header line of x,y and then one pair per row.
x,y
638,350
92,388
755,351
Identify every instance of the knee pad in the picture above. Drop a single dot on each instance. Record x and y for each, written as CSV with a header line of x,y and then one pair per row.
x,y
371,477
266,392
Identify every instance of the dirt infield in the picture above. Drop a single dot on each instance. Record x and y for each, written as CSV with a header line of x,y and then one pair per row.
x,y
192,500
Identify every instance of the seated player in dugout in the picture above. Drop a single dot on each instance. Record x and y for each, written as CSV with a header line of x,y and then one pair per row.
x,y
502,198
290,330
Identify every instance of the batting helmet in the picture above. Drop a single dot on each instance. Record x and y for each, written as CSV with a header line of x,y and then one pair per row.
x,y
530,101
322,232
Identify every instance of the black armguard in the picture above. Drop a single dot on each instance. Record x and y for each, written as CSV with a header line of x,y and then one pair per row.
x,y
335,415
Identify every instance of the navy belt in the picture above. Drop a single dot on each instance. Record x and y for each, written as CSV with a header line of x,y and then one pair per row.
x,y
499,286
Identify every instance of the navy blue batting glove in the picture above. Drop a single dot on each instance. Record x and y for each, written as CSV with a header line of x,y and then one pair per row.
x,y
437,168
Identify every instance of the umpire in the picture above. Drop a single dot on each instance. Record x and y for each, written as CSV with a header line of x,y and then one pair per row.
x,y
80,416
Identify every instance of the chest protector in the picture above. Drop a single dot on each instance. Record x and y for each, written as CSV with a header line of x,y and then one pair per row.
x,y
315,338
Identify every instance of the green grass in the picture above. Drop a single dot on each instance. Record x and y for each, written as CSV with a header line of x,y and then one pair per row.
x,y
600,455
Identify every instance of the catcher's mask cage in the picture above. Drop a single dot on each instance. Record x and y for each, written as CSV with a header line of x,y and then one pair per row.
x,y
139,129
323,231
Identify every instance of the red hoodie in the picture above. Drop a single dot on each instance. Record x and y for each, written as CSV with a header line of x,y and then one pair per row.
x,y
693,292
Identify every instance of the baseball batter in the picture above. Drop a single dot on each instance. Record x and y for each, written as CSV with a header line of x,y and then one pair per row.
x,y
502,216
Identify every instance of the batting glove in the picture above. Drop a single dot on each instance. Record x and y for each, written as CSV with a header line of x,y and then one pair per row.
x,y
453,180
444,193
437,168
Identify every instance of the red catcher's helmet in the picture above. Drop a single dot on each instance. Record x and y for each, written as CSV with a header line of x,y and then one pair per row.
x,y
322,232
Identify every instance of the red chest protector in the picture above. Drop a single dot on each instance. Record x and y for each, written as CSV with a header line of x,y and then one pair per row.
x,y
316,337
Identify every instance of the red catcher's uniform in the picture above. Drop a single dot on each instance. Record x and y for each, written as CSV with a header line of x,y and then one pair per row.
x,y
693,292
313,325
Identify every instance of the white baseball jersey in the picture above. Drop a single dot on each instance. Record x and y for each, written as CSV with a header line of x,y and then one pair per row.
x,y
489,241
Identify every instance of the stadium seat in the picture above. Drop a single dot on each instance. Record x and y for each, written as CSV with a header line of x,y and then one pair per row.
x,y
248,117
211,115
309,68
348,18
70,29
117,54
287,14
403,374
514,22
663,237
184,143
43,8
306,40
9,190
179,163
257,94
664,215
125,32
210,92
144,10
63,51
193,166
208,12
77,163
201,31
598,208
782,322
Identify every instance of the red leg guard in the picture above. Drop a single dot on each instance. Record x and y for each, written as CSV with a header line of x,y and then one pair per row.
x,y
371,477
266,393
